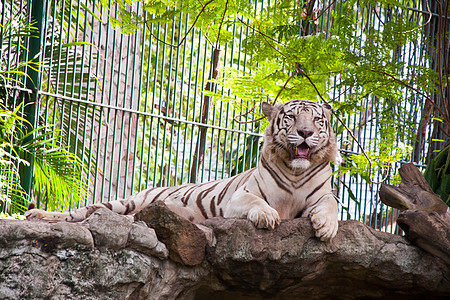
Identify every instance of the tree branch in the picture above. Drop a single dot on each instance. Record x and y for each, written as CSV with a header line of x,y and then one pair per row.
x,y
263,34
221,23
273,103
190,29
410,87
299,70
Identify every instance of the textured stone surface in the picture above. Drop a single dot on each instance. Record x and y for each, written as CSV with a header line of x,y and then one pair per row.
x,y
186,242
144,239
110,230
288,261
42,260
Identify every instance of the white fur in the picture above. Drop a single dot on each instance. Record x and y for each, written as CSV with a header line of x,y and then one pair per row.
x,y
279,188
300,164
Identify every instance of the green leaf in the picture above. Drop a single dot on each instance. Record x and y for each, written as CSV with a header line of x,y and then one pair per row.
x,y
73,44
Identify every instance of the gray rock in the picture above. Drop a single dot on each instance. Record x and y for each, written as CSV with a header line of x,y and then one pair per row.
x,y
42,260
110,230
289,261
144,239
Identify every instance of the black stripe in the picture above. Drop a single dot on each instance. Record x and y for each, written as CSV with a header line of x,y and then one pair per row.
x,y
176,190
212,206
321,148
274,175
147,192
89,211
311,173
221,212
225,189
286,165
130,207
278,122
205,193
261,192
108,205
202,209
127,207
245,178
272,127
281,146
159,194
202,195
318,200
187,196
317,188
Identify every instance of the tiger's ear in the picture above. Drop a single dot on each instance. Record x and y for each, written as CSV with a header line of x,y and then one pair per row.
x,y
327,109
268,110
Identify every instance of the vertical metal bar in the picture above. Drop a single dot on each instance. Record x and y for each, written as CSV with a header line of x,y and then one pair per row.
x,y
221,152
155,71
66,84
126,114
158,123
140,78
111,167
180,107
97,154
231,137
60,113
33,82
189,70
194,105
199,165
86,117
2,34
105,149
146,97
169,98
115,170
193,54
150,141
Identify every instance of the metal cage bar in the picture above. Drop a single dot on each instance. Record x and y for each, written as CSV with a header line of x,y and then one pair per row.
x,y
130,105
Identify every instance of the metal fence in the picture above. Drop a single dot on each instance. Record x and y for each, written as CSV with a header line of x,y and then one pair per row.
x,y
133,108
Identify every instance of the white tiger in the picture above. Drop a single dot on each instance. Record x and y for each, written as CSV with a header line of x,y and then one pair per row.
x,y
293,178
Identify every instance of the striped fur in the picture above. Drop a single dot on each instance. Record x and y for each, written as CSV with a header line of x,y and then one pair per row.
x,y
293,178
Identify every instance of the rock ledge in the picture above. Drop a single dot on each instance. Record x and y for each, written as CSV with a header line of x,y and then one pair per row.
x,y
114,257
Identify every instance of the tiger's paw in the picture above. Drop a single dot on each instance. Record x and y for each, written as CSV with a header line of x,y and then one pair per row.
x,y
264,217
325,225
35,214
39,214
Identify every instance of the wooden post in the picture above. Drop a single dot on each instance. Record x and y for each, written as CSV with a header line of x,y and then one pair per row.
x,y
425,218
207,104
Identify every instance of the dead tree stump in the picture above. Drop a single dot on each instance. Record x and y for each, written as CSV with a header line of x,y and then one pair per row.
x,y
424,217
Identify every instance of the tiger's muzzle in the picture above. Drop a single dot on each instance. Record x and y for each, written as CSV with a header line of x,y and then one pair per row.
x,y
300,147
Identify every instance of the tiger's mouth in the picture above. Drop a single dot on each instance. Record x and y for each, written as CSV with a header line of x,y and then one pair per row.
x,y
302,151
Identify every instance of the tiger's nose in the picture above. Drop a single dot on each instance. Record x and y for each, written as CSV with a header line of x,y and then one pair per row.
x,y
304,133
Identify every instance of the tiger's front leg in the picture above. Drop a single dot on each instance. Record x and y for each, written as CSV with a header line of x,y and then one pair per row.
x,y
40,214
246,205
76,215
324,218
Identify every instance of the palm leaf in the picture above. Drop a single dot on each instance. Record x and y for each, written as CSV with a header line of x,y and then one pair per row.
x,y
58,174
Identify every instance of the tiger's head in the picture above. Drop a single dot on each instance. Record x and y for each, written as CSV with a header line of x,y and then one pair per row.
x,y
299,133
